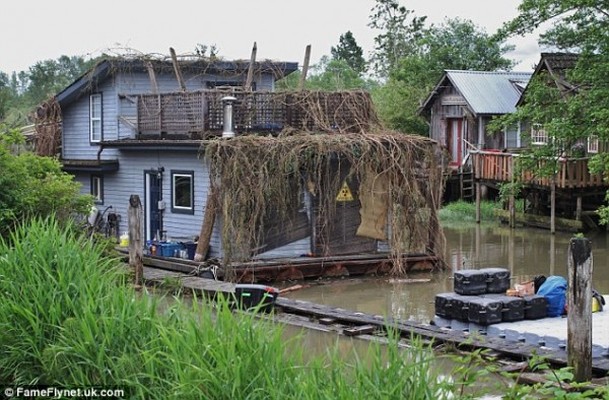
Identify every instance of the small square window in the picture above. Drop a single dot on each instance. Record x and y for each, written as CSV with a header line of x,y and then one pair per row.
x,y
182,192
97,188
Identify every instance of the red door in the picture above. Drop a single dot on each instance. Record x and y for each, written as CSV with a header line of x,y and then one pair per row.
x,y
455,141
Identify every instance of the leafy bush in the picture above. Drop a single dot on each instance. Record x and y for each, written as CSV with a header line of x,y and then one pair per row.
x,y
35,186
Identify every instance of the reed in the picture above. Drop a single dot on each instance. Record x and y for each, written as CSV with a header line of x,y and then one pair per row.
x,y
66,319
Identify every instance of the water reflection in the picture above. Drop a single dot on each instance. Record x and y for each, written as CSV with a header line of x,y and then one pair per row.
x,y
525,252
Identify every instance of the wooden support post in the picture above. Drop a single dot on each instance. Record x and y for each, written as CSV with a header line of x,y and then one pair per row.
x,y
305,68
478,201
207,227
553,206
176,69
578,209
579,303
153,83
512,207
512,200
136,246
250,70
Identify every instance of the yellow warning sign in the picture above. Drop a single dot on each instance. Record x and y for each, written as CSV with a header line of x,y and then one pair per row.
x,y
344,194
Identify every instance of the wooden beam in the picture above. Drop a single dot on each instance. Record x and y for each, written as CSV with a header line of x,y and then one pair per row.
x,y
153,83
579,304
578,209
250,70
136,247
305,68
207,227
176,69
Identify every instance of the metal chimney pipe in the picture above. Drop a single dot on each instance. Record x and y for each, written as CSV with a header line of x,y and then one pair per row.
x,y
227,102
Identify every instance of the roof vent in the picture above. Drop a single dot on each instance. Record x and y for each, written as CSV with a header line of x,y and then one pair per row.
x,y
227,102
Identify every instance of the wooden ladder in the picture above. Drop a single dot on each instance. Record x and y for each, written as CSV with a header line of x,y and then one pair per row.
x,y
466,185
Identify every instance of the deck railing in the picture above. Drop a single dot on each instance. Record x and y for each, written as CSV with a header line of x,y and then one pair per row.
x,y
200,113
571,173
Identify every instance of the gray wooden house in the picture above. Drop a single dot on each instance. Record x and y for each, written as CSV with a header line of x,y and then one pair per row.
x,y
463,103
128,127
459,110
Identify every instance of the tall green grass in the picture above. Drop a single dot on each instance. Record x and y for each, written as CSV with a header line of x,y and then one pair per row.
x,y
66,319
462,211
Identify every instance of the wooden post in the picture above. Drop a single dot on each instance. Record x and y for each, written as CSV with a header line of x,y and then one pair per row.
x,y
512,200
153,83
553,206
579,303
176,69
478,201
578,209
135,238
305,68
250,70
512,207
209,218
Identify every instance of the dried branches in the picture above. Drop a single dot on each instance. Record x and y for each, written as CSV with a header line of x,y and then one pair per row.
x,y
258,176
48,128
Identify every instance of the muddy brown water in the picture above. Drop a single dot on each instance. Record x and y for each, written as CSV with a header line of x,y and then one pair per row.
x,y
526,252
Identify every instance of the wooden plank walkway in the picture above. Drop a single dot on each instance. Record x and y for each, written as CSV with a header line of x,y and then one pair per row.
x,y
323,315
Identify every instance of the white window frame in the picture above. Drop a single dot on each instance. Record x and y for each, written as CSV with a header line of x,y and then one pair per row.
x,y
180,208
97,188
539,136
95,117
518,132
592,144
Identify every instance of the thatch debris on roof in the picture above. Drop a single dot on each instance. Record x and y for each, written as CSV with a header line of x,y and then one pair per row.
x,y
256,176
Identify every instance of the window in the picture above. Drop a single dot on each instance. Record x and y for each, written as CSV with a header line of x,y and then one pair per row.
x,y
97,188
182,192
593,144
512,136
539,135
95,117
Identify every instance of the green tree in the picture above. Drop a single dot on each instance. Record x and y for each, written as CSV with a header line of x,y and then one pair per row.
x,y
349,51
455,44
34,186
47,78
400,32
570,116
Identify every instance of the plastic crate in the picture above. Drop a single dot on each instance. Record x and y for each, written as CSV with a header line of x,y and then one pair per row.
x,y
497,280
255,297
470,281
168,249
484,311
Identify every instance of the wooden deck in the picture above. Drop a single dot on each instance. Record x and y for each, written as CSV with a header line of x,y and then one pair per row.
x,y
351,323
499,167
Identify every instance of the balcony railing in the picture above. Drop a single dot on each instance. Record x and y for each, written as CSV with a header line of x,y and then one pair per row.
x,y
499,167
199,114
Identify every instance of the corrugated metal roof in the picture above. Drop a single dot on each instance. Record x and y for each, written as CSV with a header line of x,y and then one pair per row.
x,y
490,92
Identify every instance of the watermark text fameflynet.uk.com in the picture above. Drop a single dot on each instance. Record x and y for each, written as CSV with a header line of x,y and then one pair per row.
x,y
61,393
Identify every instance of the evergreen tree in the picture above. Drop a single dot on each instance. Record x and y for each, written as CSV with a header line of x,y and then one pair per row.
x,y
349,51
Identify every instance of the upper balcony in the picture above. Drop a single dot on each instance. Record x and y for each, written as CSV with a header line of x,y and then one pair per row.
x,y
196,115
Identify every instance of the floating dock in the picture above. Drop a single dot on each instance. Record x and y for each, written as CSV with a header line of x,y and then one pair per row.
x,y
504,339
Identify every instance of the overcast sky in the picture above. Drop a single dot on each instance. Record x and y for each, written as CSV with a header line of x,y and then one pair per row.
x,y
33,30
